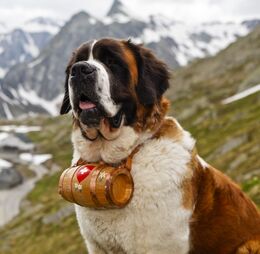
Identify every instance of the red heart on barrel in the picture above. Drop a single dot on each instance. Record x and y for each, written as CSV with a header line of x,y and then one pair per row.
x,y
83,172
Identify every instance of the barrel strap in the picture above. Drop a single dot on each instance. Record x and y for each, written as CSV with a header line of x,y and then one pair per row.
x,y
129,160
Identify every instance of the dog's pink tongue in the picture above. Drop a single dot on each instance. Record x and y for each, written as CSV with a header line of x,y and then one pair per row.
x,y
86,105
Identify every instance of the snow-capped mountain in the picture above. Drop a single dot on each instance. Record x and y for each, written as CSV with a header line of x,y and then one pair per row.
x,y
37,86
24,43
43,24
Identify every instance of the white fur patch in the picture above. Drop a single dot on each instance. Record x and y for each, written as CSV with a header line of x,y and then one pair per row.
x,y
91,50
103,86
187,141
113,151
203,163
85,149
71,95
176,122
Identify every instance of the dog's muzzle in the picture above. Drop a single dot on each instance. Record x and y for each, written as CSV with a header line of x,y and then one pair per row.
x,y
85,99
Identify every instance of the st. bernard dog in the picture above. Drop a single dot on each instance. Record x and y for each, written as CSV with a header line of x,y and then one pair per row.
x,y
180,203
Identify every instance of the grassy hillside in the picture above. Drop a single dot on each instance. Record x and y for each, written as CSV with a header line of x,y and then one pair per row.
x,y
227,136
47,223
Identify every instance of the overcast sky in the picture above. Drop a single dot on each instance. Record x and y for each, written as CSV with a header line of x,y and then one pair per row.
x,y
16,11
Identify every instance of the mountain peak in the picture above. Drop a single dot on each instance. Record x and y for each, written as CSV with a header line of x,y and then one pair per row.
x,y
117,8
42,24
45,21
81,14
251,23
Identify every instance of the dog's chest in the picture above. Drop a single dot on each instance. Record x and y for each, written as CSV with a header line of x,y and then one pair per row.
x,y
155,221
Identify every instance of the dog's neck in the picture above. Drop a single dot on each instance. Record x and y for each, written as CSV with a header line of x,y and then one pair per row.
x,y
113,151
149,121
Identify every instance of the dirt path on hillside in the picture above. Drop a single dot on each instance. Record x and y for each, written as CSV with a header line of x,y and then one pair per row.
x,y
10,200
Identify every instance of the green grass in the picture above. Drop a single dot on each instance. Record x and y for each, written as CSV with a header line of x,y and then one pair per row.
x,y
54,138
252,187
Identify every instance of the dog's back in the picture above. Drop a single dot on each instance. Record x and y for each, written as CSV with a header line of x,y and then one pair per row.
x,y
224,217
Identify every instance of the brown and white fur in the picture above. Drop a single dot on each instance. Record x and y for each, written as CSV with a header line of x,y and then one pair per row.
x,y
180,203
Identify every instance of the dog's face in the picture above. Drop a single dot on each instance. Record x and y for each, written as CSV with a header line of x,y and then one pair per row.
x,y
111,80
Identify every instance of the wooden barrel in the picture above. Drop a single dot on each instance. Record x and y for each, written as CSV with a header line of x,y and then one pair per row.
x,y
97,186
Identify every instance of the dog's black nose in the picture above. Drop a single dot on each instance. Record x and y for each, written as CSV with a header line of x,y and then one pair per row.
x,y
82,69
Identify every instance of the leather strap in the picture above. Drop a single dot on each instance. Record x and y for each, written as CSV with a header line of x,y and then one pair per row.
x,y
129,159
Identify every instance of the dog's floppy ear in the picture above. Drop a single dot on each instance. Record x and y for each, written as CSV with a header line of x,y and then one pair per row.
x,y
65,106
153,75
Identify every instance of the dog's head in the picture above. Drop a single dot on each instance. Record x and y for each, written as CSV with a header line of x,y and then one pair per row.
x,y
114,82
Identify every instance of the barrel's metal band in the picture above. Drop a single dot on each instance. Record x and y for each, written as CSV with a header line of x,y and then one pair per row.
x,y
71,185
92,184
61,188
107,189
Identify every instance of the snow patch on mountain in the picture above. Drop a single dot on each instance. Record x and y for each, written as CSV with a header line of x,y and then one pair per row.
x,y
42,24
242,94
35,25
5,164
7,111
17,129
92,21
2,72
24,42
5,98
33,98
193,40
35,159
30,47
118,18
35,62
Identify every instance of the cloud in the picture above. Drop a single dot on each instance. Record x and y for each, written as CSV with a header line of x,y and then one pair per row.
x,y
14,12
187,10
11,17
18,11
198,10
